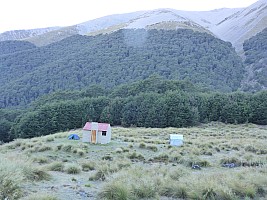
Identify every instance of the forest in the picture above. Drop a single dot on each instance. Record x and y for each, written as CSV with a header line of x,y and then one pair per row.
x,y
256,59
137,78
153,102
121,57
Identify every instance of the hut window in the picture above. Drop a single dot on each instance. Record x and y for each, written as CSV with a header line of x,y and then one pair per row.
x,y
104,133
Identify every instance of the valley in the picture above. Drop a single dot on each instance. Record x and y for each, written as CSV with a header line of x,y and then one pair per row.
x,y
139,163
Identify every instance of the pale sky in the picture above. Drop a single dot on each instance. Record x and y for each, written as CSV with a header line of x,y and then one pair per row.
x,y
29,14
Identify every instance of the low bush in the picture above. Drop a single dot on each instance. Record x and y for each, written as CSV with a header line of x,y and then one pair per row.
x,y
135,156
72,169
40,196
88,166
104,170
117,190
44,148
56,166
10,180
152,148
67,148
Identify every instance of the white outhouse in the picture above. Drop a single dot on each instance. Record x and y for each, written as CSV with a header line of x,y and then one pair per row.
x,y
94,132
176,140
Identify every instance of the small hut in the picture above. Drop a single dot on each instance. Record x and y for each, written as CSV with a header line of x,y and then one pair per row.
x,y
176,140
94,132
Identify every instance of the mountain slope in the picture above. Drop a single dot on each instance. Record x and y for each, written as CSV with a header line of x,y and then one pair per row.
x,y
242,25
256,60
232,25
120,57
23,34
82,28
9,47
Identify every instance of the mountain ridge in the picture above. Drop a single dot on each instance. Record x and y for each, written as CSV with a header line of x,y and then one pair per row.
x,y
233,25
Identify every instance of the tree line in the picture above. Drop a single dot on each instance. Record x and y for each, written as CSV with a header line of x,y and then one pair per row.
x,y
180,107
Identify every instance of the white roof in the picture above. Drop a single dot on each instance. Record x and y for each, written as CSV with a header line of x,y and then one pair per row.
x,y
176,137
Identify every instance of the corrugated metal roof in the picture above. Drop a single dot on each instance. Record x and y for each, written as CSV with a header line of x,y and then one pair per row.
x,y
101,126
176,137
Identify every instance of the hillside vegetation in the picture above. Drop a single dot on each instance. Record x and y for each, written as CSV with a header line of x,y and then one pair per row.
x,y
256,60
138,164
120,57
9,47
153,102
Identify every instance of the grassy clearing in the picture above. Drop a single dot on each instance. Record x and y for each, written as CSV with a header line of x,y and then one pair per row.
x,y
139,163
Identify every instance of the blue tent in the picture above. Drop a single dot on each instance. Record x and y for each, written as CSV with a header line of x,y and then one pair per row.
x,y
73,137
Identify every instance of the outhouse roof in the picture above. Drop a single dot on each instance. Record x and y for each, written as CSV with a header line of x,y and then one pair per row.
x,y
101,126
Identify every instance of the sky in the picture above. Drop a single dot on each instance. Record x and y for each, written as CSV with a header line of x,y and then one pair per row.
x,y
29,14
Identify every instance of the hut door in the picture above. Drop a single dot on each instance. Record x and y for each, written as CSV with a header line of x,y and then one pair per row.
x,y
93,136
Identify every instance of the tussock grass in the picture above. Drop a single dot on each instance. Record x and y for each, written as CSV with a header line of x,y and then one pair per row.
x,y
88,165
67,148
10,180
40,159
14,171
44,148
40,196
138,172
72,168
103,172
56,166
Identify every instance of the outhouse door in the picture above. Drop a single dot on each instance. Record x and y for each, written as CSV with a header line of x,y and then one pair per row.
x,y
93,136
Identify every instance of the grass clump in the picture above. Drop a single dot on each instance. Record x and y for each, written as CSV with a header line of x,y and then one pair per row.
x,y
10,180
67,148
72,169
117,190
50,139
152,148
160,158
174,189
35,173
107,157
118,150
56,166
135,156
41,160
40,196
44,148
103,171
142,145
88,166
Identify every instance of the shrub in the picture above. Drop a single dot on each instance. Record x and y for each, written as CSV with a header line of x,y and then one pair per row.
x,y
161,158
107,157
67,148
251,149
40,197
50,139
134,155
80,152
56,166
234,160
58,147
103,171
118,150
10,181
72,169
152,148
44,148
177,173
116,190
142,145
35,173
174,189
88,166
